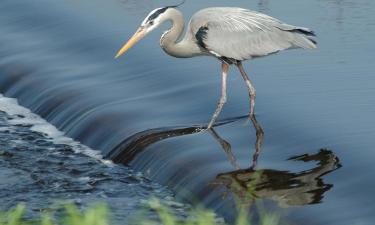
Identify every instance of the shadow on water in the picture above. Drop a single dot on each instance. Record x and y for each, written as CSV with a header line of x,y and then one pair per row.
x,y
245,186
130,147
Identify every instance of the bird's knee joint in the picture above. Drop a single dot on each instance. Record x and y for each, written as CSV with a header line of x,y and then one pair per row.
x,y
223,100
220,104
253,93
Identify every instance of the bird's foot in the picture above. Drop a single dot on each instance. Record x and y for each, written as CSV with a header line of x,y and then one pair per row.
x,y
207,129
211,123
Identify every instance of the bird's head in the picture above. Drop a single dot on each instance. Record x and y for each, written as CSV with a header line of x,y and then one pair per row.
x,y
155,18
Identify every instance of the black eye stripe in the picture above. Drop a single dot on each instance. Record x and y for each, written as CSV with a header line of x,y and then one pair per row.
x,y
157,13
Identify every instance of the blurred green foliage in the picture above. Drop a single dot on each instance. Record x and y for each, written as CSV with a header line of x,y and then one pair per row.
x,y
99,215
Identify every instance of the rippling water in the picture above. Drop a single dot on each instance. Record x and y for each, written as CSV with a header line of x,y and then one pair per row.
x,y
42,167
144,110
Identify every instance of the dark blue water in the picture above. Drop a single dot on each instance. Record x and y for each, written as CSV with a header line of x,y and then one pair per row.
x,y
56,58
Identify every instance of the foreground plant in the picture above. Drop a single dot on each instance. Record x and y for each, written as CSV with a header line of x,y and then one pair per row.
x,y
99,215
95,215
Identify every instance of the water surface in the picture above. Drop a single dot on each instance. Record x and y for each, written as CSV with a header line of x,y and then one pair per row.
x,y
317,106
43,168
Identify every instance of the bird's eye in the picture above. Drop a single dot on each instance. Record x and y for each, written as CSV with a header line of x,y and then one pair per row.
x,y
151,22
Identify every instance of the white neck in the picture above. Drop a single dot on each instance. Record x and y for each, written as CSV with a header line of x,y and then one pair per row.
x,y
187,47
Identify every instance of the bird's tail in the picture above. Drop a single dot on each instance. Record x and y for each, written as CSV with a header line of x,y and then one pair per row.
x,y
303,38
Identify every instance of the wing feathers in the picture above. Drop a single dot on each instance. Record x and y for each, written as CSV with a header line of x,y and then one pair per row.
x,y
243,34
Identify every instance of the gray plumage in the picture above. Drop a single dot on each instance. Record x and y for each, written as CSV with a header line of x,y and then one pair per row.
x,y
233,33
242,34
230,34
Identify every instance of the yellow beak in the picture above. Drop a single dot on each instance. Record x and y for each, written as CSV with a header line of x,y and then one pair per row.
x,y
139,34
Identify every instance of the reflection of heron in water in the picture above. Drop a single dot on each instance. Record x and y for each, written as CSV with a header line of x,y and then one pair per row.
x,y
286,188
247,185
258,144
229,34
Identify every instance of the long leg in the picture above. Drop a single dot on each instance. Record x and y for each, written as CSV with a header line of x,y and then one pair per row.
x,y
223,98
250,87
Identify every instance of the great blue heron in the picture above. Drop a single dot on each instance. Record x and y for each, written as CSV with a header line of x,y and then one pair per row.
x,y
229,34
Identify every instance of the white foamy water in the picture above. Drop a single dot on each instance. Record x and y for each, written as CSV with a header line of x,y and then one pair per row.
x,y
24,116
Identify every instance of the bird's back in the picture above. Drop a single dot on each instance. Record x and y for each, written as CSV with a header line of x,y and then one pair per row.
x,y
241,34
